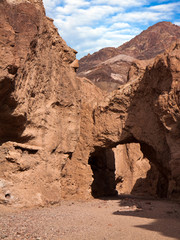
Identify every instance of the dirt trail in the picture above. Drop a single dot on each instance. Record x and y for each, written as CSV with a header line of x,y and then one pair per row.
x,y
120,218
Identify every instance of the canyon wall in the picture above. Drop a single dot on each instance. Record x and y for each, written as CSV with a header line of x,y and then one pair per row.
x,y
58,131
145,111
41,104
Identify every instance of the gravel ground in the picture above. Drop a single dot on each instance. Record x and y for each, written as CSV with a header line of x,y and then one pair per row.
x,y
115,219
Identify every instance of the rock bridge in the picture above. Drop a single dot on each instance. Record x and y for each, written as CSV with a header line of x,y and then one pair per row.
x,y
144,111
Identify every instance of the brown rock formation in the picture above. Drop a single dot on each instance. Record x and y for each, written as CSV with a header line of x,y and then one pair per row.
x,y
57,128
134,174
146,111
108,74
41,104
109,67
152,41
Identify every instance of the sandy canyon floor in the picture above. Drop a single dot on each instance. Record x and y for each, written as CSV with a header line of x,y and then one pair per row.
x,y
123,217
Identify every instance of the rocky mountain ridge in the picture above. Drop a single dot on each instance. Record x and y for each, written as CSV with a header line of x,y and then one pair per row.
x,y
108,68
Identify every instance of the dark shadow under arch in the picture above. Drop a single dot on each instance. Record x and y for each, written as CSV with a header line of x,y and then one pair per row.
x,y
102,162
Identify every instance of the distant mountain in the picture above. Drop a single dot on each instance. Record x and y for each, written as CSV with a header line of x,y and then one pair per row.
x,y
152,41
109,67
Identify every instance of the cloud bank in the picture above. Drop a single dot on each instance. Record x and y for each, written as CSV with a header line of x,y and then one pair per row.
x,y
89,25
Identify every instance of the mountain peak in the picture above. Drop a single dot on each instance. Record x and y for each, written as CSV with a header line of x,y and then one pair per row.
x,y
152,41
147,45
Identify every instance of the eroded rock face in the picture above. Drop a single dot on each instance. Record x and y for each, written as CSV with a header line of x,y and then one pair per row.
x,y
134,173
19,25
145,110
41,104
146,116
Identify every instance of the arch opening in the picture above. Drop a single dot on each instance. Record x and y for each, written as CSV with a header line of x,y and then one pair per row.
x,y
162,181
127,169
102,162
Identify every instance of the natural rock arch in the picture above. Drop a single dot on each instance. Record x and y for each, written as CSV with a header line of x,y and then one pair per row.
x,y
146,111
103,165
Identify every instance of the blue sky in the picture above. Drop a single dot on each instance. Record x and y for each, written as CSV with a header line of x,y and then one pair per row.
x,y
89,25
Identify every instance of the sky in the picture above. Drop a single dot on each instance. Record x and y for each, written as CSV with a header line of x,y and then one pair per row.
x,y
90,25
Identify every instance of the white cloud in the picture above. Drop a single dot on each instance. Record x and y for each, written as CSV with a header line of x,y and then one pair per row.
x,y
122,3
115,41
71,7
89,25
165,7
78,3
120,25
177,23
141,17
149,14
51,4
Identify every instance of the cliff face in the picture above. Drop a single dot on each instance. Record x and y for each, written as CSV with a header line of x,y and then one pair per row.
x,y
18,28
109,67
145,111
41,104
58,131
